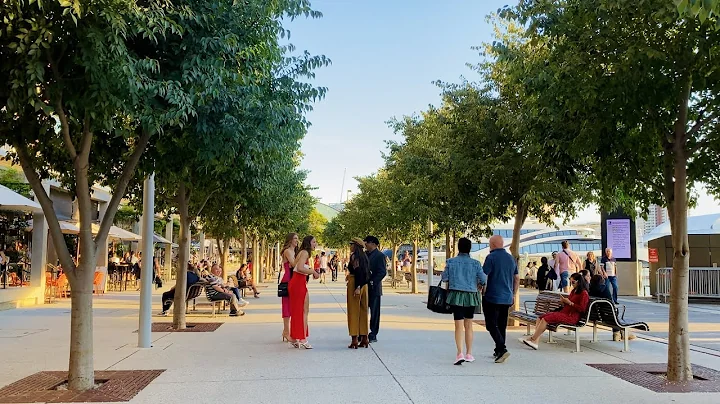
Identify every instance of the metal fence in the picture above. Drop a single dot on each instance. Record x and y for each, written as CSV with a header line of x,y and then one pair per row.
x,y
704,282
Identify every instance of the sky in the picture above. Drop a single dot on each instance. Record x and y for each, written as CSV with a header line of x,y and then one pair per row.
x,y
385,56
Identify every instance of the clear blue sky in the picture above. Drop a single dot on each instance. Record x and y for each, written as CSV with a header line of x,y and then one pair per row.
x,y
385,55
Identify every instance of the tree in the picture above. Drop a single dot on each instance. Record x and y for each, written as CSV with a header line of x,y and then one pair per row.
x,y
639,86
250,102
316,225
74,93
703,9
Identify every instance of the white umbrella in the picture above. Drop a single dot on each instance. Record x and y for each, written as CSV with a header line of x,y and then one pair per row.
x,y
65,226
117,233
162,240
11,200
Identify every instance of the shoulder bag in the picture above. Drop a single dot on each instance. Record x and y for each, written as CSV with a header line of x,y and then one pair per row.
x,y
282,287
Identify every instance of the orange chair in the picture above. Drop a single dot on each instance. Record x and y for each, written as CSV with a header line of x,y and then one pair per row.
x,y
50,286
62,286
97,283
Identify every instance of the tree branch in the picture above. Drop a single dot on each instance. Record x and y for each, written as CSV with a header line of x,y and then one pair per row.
x,y
121,185
47,206
207,198
701,122
65,128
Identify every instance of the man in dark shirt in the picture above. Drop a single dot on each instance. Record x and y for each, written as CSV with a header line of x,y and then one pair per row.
x,y
500,290
167,297
378,271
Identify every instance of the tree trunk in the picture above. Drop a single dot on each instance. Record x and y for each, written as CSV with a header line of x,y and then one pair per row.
x,y
183,257
224,246
81,369
414,267
520,217
395,259
679,367
448,245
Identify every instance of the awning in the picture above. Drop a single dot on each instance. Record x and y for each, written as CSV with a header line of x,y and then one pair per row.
x,y
162,240
65,226
11,200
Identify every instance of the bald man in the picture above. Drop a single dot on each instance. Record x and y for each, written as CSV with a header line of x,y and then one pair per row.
x,y
502,284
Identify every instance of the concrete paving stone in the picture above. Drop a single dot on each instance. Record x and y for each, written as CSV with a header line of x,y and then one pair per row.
x,y
301,388
245,359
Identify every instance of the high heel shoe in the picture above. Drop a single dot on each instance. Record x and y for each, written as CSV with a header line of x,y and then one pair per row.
x,y
353,343
305,345
364,342
286,337
294,344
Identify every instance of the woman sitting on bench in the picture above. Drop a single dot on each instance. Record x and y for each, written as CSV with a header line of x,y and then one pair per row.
x,y
245,280
570,313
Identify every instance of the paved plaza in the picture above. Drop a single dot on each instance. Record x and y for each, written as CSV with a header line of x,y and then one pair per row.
x,y
244,360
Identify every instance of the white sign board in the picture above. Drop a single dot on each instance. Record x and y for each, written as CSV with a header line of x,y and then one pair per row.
x,y
618,237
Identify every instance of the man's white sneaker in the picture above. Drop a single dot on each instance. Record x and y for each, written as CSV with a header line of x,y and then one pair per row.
x,y
243,302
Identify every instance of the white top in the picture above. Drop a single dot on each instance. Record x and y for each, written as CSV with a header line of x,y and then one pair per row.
x,y
610,268
323,262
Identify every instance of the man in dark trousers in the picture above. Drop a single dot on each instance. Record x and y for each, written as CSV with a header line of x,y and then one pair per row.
x,y
502,284
378,270
168,297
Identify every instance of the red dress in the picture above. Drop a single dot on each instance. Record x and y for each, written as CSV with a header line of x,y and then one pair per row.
x,y
570,314
297,289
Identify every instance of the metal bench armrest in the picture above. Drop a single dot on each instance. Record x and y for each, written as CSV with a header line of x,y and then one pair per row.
x,y
526,306
622,316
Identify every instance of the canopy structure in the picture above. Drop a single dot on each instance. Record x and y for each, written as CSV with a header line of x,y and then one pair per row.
x,y
704,224
11,200
65,226
162,240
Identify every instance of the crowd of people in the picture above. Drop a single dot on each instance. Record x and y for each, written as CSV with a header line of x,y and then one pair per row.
x,y
216,289
554,274
364,269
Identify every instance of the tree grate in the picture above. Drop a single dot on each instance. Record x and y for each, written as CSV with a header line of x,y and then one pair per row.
x,y
652,376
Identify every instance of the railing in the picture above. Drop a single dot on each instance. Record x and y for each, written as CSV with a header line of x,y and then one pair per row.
x,y
703,282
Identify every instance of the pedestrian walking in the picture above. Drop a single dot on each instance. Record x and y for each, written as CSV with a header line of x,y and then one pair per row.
x,y
567,262
465,277
503,282
378,271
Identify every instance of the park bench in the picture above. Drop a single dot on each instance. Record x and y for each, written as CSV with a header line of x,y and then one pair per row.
x,y
548,302
193,292
608,317
235,281
408,278
218,305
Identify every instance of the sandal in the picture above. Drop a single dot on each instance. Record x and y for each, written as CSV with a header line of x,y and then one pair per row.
x,y
353,343
305,345
364,342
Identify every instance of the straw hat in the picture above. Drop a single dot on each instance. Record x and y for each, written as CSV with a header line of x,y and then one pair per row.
x,y
358,241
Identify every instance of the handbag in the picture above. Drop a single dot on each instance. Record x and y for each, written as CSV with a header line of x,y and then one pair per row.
x,y
437,300
282,288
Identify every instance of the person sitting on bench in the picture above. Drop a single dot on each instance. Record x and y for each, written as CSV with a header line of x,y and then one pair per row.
x,y
598,288
217,291
572,309
245,280
169,296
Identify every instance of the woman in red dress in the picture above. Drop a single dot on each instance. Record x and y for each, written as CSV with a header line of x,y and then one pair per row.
x,y
297,289
573,307
288,257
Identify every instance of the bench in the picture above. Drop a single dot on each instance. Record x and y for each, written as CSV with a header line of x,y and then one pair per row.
x,y
408,278
235,281
193,292
608,317
548,302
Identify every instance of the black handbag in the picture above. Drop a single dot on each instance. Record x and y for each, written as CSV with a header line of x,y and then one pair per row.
x,y
282,288
437,300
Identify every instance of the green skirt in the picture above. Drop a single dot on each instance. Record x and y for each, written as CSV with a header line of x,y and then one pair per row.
x,y
462,299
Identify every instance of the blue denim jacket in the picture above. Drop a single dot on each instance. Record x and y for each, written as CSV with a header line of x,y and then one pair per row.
x,y
464,273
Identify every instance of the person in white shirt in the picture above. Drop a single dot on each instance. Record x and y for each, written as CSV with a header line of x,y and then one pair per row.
x,y
552,284
323,266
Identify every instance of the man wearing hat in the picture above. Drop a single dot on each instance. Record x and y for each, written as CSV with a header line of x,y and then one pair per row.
x,y
378,270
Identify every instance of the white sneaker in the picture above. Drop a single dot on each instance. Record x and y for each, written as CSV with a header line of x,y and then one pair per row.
x,y
243,302
529,343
